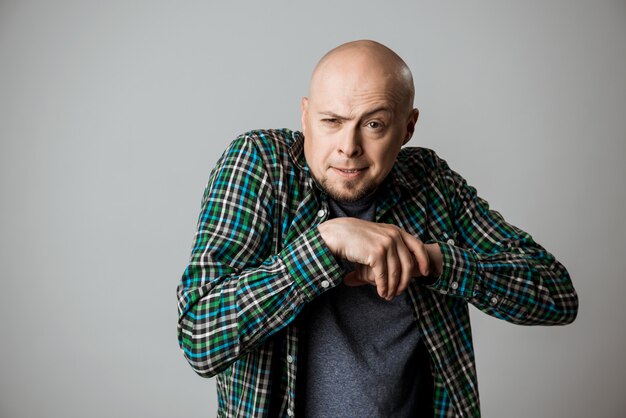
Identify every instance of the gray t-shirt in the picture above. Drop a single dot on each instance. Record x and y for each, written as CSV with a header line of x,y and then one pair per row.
x,y
364,357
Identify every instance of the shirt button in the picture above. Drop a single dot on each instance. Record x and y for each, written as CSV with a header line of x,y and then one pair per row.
x,y
289,359
321,213
325,284
454,285
493,301
450,241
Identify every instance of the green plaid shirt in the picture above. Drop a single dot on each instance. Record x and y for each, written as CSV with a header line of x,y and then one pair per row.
x,y
258,259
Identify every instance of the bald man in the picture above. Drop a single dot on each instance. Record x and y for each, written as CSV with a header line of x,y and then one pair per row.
x,y
332,268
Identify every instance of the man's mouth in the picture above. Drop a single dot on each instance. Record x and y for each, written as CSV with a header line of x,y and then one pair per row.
x,y
349,172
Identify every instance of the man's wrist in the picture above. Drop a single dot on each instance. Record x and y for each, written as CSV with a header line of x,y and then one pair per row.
x,y
435,259
326,232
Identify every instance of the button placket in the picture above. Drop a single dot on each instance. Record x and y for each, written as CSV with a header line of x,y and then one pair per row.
x,y
290,358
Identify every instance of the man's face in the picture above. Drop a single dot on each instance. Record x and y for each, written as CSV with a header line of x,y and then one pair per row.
x,y
354,126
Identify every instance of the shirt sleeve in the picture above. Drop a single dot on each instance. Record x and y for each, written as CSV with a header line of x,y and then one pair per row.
x,y
235,293
497,267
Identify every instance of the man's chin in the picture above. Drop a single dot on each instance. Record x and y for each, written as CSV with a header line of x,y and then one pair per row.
x,y
349,193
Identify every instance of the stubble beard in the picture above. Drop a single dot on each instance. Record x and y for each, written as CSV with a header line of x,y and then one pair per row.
x,y
350,192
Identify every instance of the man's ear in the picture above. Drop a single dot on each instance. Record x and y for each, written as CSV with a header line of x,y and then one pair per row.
x,y
410,125
305,113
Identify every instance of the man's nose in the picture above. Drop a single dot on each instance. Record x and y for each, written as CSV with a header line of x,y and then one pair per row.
x,y
350,144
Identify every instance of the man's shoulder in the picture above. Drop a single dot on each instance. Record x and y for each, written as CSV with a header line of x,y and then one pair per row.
x,y
272,139
277,152
418,156
415,164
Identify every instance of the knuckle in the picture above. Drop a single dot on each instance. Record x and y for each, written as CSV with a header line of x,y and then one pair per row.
x,y
380,251
386,240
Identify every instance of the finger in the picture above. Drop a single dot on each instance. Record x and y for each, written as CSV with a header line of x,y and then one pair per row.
x,y
417,248
353,279
378,263
408,263
394,270
366,274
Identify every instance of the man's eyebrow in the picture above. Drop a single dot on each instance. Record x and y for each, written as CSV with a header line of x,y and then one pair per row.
x,y
368,113
333,115
378,109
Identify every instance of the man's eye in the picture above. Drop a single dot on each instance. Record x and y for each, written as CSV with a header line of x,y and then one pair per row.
x,y
330,121
374,124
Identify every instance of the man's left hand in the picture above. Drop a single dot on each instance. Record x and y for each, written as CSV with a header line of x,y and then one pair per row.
x,y
365,275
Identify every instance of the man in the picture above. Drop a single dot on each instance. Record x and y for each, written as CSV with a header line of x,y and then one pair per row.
x,y
332,269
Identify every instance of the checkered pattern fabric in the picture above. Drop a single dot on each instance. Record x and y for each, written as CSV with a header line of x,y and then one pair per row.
x,y
258,259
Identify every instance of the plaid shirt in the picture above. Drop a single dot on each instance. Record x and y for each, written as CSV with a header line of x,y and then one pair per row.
x,y
258,259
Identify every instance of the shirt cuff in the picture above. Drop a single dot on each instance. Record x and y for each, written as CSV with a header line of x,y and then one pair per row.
x,y
459,272
311,264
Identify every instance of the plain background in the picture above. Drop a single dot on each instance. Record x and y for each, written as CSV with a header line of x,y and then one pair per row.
x,y
113,113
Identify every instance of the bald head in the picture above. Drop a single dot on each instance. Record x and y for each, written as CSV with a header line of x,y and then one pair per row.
x,y
357,117
363,61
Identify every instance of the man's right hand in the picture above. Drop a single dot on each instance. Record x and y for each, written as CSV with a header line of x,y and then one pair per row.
x,y
386,255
